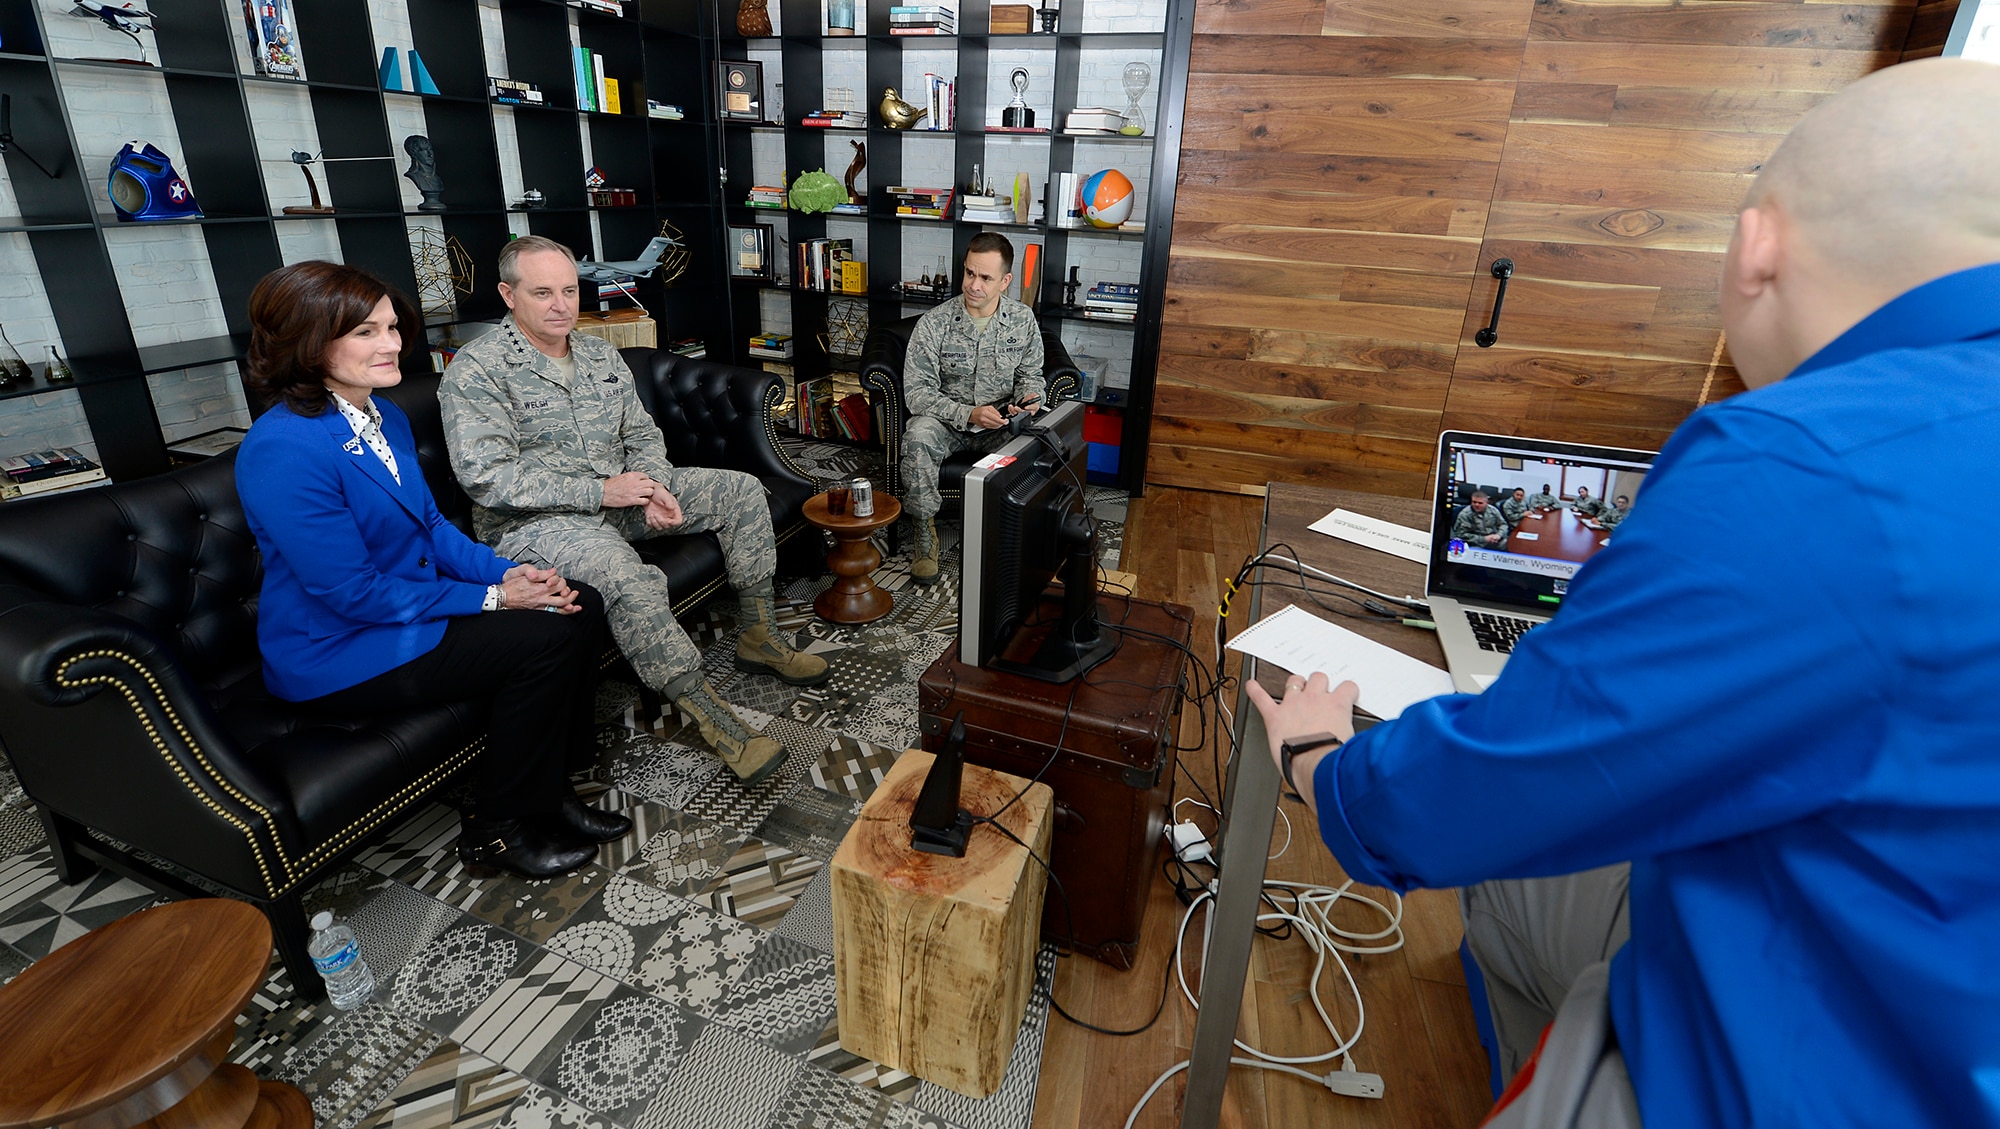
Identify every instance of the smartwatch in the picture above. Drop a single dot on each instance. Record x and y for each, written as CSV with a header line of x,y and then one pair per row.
x,y
1301,745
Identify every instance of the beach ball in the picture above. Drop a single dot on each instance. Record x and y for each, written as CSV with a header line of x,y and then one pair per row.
x,y
1107,198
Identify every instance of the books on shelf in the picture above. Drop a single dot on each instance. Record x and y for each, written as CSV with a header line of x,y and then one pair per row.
x,y
608,7
1112,301
58,468
834,407
692,348
766,196
1093,119
922,203
941,100
664,110
817,263
777,346
849,209
923,19
512,92
274,39
828,119
1065,207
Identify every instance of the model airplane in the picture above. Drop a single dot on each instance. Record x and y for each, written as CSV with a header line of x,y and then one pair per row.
x,y
641,267
120,17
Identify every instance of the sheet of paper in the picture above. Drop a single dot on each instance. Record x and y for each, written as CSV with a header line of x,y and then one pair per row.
x,y
1387,536
1485,680
1305,644
1528,536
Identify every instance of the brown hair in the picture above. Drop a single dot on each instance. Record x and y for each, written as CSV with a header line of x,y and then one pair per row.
x,y
297,311
989,241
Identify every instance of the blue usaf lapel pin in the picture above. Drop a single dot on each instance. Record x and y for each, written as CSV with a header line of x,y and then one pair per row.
x,y
352,446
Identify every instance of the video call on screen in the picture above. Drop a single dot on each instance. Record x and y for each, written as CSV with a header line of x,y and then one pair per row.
x,y
1551,541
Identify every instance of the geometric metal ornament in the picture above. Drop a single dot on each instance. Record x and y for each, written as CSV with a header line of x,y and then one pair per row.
x,y
846,326
443,266
674,263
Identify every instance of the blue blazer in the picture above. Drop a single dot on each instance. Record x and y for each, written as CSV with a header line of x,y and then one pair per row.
x,y
360,573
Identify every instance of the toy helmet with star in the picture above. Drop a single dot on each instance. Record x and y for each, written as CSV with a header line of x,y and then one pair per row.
x,y
145,186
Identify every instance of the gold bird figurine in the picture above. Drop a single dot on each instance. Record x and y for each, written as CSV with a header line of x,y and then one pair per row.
x,y
896,113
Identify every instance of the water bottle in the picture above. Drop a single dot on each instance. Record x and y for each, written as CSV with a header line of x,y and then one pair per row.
x,y
336,952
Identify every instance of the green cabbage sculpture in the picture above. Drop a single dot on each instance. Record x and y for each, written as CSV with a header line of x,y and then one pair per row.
x,y
817,191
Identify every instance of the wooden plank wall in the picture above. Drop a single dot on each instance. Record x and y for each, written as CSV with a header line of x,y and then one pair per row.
x,y
1350,169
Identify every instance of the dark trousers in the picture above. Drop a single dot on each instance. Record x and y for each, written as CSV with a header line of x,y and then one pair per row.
x,y
536,674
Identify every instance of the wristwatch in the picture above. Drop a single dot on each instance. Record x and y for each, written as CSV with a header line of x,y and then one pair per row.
x,y
1300,745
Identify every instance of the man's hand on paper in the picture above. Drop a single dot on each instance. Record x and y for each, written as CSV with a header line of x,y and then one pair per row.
x,y
1309,706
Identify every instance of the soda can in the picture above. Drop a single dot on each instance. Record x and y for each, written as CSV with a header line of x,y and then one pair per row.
x,y
864,498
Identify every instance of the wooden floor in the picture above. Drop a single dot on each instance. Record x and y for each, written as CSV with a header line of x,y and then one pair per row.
x,y
1419,1037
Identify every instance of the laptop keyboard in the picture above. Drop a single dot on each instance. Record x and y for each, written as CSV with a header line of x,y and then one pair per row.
x,y
1499,632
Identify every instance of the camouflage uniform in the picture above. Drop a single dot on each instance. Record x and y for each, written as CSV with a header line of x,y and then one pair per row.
x,y
1588,507
1513,511
1472,527
951,368
533,451
1611,515
1544,502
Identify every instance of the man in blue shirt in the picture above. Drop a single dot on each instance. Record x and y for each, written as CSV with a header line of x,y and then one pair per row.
x,y
1784,724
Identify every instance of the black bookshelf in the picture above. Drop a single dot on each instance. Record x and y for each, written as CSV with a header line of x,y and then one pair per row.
x,y
804,54
659,48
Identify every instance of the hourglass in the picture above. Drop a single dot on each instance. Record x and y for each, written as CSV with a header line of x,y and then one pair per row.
x,y
1138,76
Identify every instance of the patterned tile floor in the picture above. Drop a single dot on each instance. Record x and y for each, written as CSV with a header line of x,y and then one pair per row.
x,y
684,979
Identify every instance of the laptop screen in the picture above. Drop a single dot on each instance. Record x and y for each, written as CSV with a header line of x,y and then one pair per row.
x,y
1514,519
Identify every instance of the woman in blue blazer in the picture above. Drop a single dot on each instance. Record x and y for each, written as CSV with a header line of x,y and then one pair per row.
x,y
372,601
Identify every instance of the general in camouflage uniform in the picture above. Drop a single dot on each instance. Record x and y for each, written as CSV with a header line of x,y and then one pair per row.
x,y
534,441
955,366
1515,508
1478,521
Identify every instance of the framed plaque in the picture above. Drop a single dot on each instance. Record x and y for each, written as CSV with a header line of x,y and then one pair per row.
x,y
752,251
739,90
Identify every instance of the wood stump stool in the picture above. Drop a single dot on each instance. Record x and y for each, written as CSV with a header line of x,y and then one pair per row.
x,y
934,957
131,1025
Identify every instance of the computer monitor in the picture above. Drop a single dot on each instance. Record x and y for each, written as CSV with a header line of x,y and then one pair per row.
x,y
1025,520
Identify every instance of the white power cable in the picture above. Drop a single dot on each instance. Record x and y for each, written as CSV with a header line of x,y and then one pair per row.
x,y
1314,922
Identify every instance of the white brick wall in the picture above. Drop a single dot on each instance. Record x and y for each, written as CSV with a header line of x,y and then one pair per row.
x,y
46,419
195,400
167,283
300,240
283,120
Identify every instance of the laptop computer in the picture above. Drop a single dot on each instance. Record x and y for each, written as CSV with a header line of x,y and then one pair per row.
x,y
1490,581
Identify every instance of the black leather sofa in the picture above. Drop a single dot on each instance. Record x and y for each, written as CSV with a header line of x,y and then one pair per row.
x,y
132,702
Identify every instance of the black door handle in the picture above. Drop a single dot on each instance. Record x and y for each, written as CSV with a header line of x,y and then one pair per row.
x,y
1503,269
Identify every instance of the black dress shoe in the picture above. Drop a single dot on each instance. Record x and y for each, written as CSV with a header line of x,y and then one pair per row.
x,y
578,820
512,845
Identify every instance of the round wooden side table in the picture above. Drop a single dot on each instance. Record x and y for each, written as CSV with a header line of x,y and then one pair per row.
x,y
855,597
131,1025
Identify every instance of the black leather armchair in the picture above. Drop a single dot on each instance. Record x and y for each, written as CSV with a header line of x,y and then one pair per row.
x,y
882,373
132,699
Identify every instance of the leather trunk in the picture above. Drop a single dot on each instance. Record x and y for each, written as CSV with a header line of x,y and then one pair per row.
x,y
1113,777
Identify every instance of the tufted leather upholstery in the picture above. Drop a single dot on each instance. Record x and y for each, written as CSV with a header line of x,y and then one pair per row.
x,y
882,372
132,700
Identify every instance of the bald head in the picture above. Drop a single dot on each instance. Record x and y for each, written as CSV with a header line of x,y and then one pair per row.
x,y
1885,186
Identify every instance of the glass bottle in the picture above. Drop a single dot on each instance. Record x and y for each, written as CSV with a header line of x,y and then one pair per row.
x,y
56,370
11,363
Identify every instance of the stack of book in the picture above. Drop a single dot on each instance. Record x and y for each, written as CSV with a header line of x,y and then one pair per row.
x,y
608,7
42,471
1091,120
1112,301
988,209
692,348
777,346
766,196
923,19
922,203
850,209
665,110
835,119
834,407
594,92
818,264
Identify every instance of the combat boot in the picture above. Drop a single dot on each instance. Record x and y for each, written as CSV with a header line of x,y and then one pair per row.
x,y
762,650
924,558
751,756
